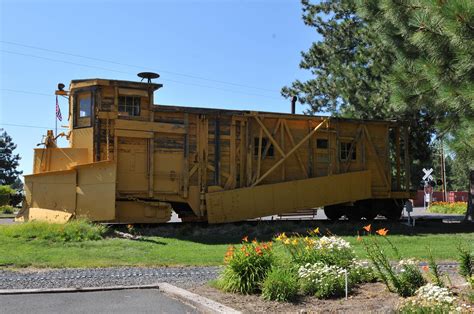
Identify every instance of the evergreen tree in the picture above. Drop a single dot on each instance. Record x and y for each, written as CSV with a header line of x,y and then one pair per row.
x,y
433,44
9,175
433,71
349,64
351,67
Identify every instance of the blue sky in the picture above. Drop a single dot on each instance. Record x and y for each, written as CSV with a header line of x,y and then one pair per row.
x,y
220,54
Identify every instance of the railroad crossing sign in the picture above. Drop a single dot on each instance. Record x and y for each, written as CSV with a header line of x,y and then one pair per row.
x,y
428,176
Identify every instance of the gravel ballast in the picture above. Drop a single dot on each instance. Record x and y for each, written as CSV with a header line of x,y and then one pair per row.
x,y
102,277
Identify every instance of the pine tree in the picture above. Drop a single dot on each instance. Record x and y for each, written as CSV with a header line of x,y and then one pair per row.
x,y
433,70
9,175
349,64
351,67
433,44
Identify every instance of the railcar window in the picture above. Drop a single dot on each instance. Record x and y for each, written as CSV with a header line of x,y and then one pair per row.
x,y
345,149
85,104
321,143
265,142
130,105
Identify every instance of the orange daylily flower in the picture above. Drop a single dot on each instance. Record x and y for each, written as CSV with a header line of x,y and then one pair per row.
x,y
425,268
382,232
245,239
368,227
254,241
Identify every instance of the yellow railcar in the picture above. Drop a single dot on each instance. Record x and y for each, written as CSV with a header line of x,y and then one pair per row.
x,y
132,161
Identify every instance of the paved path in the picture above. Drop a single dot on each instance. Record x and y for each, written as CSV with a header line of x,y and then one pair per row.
x,y
6,221
124,301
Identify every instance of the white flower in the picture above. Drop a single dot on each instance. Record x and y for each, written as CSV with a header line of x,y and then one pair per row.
x,y
332,243
435,293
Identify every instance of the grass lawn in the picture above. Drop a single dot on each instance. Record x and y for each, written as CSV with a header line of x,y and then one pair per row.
x,y
191,249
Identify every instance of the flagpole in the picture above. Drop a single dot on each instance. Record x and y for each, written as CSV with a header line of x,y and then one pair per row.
x,y
56,117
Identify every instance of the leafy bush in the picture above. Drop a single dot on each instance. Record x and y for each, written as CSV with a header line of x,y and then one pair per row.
x,y
322,281
6,209
5,193
360,272
330,250
434,271
404,279
409,279
246,267
466,262
281,285
73,231
448,208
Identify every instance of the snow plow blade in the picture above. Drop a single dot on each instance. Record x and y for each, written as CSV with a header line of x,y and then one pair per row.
x,y
84,191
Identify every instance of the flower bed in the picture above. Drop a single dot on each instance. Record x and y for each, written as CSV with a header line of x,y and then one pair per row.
x,y
448,208
326,267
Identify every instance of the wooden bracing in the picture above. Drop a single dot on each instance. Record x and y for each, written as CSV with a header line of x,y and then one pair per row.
x,y
183,155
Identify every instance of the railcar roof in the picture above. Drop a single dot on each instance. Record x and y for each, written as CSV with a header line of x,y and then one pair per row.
x,y
216,111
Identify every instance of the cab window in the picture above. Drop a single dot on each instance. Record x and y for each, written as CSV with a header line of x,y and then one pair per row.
x,y
83,110
129,105
85,105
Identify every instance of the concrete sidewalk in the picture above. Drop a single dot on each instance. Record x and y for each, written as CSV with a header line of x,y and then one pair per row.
x,y
122,301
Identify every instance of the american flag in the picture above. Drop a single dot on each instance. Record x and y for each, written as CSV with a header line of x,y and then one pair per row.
x,y
58,111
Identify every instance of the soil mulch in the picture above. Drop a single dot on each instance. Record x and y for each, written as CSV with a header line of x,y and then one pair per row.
x,y
367,298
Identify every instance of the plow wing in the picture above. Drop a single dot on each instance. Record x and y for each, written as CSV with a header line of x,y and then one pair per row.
x,y
84,191
270,199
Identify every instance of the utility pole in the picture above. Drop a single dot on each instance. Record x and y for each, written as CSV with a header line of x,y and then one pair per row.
x,y
443,173
470,203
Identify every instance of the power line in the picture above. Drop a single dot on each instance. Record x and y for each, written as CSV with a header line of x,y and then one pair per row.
x,y
31,126
25,92
137,67
128,73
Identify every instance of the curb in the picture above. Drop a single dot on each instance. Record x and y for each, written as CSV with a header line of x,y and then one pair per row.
x,y
199,302
69,290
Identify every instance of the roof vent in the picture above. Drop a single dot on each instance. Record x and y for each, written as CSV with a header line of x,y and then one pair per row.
x,y
148,75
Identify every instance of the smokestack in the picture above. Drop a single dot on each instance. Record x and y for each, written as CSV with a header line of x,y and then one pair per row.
x,y
293,104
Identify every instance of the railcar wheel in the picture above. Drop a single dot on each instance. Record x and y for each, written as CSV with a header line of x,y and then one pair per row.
x,y
370,213
392,209
333,212
353,212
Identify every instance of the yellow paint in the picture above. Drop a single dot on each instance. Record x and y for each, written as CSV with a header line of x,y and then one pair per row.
x,y
54,159
194,158
44,214
270,199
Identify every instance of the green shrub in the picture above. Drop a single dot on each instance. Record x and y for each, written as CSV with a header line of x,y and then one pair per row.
x,y
466,263
6,209
409,280
281,285
246,267
322,281
361,273
73,231
5,193
403,279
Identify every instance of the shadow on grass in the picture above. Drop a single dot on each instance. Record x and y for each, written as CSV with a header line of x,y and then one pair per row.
x,y
232,233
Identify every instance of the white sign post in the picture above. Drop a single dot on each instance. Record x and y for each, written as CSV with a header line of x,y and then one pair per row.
x,y
428,189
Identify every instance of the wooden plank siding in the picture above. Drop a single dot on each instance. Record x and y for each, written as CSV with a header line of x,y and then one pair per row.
x,y
192,151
